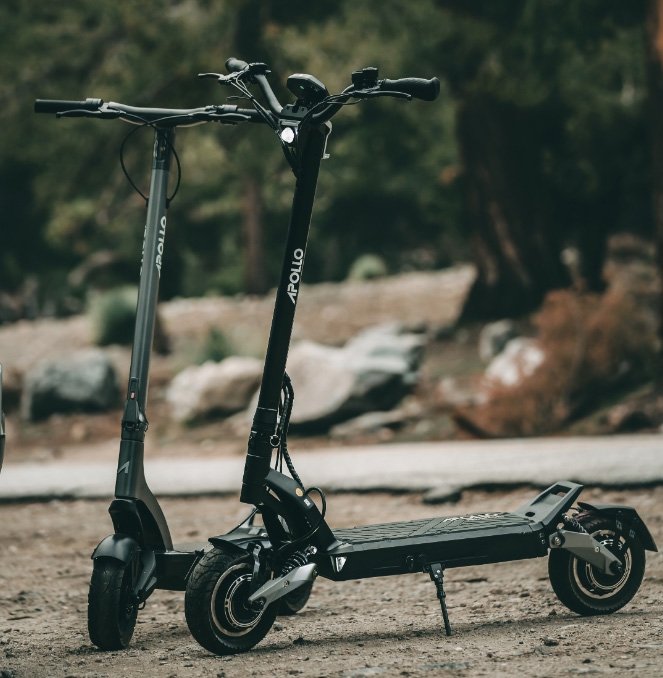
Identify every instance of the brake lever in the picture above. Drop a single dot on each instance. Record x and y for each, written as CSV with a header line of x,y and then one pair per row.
x,y
229,118
369,94
82,113
223,78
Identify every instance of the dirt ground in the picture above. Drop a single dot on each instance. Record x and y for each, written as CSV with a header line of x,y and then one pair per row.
x,y
506,619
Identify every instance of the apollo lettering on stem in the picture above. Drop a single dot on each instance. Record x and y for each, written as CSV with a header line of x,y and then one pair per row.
x,y
295,274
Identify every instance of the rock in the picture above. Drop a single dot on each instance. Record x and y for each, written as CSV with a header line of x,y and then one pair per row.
x,y
459,391
213,388
84,381
519,359
641,412
323,382
443,494
370,422
629,418
79,431
388,341
444,332
494,337
11,388
373,371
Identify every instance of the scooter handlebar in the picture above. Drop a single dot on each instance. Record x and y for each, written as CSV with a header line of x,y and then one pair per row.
x,y
62,105
419,88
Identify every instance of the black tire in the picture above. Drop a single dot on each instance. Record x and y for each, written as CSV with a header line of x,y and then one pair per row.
x,y
585,589
295,601
216,605
111,611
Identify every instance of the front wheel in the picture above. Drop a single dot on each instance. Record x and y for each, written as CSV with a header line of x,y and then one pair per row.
x,y
111,610
217,608
587,590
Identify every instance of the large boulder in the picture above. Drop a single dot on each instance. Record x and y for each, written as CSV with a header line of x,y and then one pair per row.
x,y
84,381
212,389
373,371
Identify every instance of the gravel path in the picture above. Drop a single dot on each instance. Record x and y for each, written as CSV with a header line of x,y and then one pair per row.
x,y
506,618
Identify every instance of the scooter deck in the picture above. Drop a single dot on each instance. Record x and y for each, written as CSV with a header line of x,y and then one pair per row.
x,y
430,527
453,541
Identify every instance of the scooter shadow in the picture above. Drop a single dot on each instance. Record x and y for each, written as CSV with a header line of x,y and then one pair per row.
x,y
467,630
152,639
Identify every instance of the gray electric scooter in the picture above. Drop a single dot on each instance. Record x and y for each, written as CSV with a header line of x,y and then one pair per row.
x,y
140,556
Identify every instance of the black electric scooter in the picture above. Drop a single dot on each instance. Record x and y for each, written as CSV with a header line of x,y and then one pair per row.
x,y
597,552
140,557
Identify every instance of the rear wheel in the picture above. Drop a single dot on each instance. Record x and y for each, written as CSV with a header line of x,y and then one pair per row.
x,y
217,608
584,588
111,611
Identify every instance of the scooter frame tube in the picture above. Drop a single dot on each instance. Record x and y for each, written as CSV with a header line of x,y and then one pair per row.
x,y
146,523
261,439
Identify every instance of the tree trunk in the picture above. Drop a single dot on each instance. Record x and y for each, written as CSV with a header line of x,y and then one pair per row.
x,y
254,268
251,16
516,247
654,27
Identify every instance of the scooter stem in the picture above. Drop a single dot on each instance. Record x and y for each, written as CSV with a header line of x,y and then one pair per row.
x,y
150,272
130,480
313,141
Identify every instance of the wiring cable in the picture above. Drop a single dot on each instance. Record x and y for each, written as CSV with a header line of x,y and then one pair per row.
x,y
142,123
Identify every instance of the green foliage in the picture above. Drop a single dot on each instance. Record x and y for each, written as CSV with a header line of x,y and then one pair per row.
x,y
367,267
112,315
383,189
394,184
574,73
216,347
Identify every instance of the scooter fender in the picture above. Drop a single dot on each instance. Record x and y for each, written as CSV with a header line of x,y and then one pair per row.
x,y
118,546
628,515
231,547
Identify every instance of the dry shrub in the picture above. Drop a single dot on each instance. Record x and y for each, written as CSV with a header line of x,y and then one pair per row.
x,y
594,346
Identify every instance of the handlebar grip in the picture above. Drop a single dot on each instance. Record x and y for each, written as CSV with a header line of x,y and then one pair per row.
x,y
233,65
419,88
62,105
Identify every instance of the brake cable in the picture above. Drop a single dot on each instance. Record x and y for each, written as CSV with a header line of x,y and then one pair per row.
x,y
154,124
285,410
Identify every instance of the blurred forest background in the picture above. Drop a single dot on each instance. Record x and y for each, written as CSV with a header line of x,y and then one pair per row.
x,y
547,140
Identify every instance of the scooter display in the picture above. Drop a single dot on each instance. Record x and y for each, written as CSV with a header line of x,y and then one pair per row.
x,y
596,551
140,557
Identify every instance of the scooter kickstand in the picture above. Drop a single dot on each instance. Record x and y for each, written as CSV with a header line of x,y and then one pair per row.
x,y
436,572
